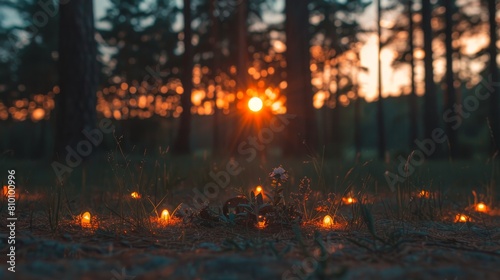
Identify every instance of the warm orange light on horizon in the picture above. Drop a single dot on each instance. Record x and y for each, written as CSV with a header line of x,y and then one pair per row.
x,y
255,104
327,221
37,114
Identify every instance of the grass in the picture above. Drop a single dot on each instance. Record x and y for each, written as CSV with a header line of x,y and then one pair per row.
x,y
419,215
162,178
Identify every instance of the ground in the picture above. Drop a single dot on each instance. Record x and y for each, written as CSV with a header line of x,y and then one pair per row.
x,y
410,233
429,250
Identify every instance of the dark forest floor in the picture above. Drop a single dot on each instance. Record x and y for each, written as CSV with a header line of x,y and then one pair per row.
x,y
404,236
398,250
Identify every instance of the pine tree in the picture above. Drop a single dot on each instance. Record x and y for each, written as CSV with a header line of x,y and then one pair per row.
x,y
431,118
302,129
182,145
76,103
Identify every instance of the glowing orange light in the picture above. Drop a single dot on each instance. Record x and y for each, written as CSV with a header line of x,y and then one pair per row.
x,y
424,194
461,218
165,216
349,200
258,190
481,207
261,222
255,104
38,114
85,222
5,192
135,195
419,54
328,221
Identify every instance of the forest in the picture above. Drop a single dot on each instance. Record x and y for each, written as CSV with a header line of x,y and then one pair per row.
x,y
249,139
356,104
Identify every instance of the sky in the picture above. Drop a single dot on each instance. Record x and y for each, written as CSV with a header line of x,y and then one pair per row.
x,y
100,7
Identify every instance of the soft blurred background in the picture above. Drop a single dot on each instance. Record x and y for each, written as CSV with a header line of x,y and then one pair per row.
x,y
364,78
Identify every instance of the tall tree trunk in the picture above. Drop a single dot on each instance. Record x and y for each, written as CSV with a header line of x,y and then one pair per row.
x,y
380,107
495,79
214,42
332,30
76,103
337,133
325,83
181,145
357,111
242,62
302,129
413,95
431,118
450,97
241,128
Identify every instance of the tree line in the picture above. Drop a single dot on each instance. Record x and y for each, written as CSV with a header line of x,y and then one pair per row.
x,y
135,41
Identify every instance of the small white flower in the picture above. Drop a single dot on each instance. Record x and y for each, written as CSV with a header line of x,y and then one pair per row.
x,y
279,173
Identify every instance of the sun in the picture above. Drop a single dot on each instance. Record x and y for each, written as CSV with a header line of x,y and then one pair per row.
x,y
255,104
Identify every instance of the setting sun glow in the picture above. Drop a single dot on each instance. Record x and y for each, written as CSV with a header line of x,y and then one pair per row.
x,y
255,104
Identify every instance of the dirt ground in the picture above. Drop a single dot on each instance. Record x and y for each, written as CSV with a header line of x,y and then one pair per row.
x,y
398,250
419,239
